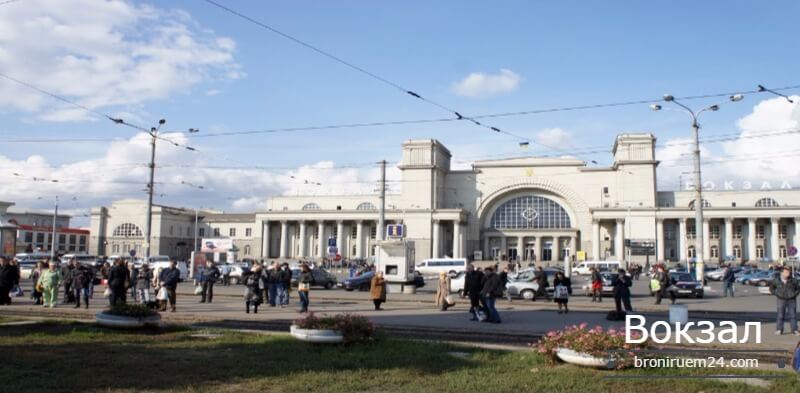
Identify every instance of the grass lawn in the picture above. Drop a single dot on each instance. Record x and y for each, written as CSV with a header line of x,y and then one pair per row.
x,y
65,357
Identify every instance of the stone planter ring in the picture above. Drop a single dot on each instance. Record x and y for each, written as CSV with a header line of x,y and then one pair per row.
x,y
125,322
322,336
583,359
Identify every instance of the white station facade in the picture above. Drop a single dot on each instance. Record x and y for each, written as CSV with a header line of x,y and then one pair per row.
x,y
527,209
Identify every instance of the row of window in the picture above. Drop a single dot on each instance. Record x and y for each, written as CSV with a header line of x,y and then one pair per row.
x,y
62,238
714,232
737,252
361,206
763,202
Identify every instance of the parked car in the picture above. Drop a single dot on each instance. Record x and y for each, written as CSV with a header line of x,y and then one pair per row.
x,y
761,278
525,287
685,285
584,268
237,272
745,278
606,290
320,278
457,283
716,275
438,265
362,282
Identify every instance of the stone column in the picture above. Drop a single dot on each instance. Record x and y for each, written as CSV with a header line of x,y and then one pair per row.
x,y
596,240
751,239
487,244
659,239
436,246
302,252
619,243
456,239
774,244
284,239
340,237
503,246
537,249
556,249
682,239
796,241
573,246
265,239
706,241
521,248
728,249
321,243
359,239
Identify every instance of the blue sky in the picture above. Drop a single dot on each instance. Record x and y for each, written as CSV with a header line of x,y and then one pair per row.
x,y
563,53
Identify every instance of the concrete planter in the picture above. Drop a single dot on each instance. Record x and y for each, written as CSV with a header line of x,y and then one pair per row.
x,y
582,359
123,322
322,336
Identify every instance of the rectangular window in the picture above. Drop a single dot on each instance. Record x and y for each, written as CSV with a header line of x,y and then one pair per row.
x,y
737,232
115,248
782,251
759,232
202,232
62,238
82,248
82,240
28,237
373,232
669,233
714,232
690,253
171,230
690,232
782,229
353,232
248,232
232,232
72,239
216,232
759,252
737,252
714,252
40,238
72,247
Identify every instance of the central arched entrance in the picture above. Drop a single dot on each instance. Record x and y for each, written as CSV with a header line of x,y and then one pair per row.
x,y
529,225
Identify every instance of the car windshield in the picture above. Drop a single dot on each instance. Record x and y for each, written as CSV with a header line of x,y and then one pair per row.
x,y
683,277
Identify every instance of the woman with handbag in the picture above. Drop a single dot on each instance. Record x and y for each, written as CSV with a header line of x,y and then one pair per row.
x,y
254,287
443,292
562,288
377,290
303,286
36,293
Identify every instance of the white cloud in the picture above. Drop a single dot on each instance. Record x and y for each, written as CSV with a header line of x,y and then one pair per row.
x,y
479,84
104,54
554,137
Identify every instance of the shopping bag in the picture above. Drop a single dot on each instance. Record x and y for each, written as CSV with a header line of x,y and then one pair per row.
x,y
198,290
655,285
107,292
17,292
162,294
561,292
449,300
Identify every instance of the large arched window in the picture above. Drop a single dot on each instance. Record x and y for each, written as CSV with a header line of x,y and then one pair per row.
x,y
767,202
705,204
127,230
530,211
311,206
366,206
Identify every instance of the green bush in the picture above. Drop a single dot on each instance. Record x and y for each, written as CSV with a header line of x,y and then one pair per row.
x,y
131,310
353,327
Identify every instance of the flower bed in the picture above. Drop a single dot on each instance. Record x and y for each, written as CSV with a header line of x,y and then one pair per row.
x,y
128,316
589,347
348,327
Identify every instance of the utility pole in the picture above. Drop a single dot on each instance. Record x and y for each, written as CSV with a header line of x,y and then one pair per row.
x,y
54,243
382,213
149,226
194,246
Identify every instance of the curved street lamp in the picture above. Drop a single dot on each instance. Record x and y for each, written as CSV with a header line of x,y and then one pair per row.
x,y
698,193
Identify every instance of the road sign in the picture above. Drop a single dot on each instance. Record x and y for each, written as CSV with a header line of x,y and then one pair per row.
x,y
642,247
332,250
792,251
337,258
132,253
395,230
331,242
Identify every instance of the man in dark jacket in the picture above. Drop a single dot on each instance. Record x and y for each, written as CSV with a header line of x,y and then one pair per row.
x,y
504,283
169,279
9,276
492,289
786,289
117,282
134,280
622,291
82,278
274,282
286,284
541,278
207,280
728,278
66,273
473,284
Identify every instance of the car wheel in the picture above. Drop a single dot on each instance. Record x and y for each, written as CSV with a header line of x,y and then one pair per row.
x,y
699,296
762,283
527,294
349,289
329,285
364,287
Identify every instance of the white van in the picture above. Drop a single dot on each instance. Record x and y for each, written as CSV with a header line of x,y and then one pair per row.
x,y
83,259
160,261
602,266
436,266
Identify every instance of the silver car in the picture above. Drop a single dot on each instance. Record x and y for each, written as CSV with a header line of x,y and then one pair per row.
x,y
524,286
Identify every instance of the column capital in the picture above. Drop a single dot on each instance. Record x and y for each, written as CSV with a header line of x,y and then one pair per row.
x,y
729,219
301,221
620,220
284,222
660,220
775,220
339,222
682,220
752,220
706,220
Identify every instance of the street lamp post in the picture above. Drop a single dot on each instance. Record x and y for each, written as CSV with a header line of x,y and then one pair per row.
x,y
698,185
149,222
54,242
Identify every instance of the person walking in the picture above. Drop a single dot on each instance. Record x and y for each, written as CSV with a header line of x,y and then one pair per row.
x,y
81,281
143,282
118,281
36,291
786,289
226,275
169,279
133,280
49,282
304,287
562,286
664,285
728,278
254,288
443,292
377,290
622,291
541,278
491,290
66,274
285,275
597,285
473,284
504,283
9,277
273,284
207,280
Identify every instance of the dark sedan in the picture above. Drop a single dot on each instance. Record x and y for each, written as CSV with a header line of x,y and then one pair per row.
x,y
684,285
320,278
362,282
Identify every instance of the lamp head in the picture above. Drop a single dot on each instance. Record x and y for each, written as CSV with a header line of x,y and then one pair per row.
x,y
737,97
655,107
713,108
162,121
668,98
